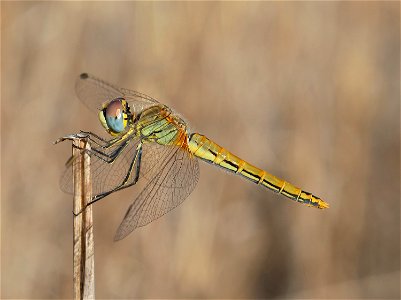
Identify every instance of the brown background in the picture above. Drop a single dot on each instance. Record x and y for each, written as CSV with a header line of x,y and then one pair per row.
x,y
308,91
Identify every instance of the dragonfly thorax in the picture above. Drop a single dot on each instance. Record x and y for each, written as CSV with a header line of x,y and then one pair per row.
x,y
160,125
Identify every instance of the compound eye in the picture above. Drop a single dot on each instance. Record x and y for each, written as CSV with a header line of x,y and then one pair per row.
x,y
114,109
114,115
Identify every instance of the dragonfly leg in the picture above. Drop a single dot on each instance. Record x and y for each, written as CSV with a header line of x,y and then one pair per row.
x,y
99,141
124,184
94,138
108,158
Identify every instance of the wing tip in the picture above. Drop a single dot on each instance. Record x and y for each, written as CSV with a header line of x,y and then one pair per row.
x,y
121,234
118,238
84,76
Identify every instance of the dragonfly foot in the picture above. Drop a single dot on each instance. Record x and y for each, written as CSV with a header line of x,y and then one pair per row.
x,y
81,211
76,215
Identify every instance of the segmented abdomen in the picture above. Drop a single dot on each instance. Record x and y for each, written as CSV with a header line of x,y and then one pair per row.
x,y
207,150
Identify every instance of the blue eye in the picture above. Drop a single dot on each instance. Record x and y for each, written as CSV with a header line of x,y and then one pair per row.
x,y
114,115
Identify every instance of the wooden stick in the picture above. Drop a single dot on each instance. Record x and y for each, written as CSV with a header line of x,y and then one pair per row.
x,y
84,263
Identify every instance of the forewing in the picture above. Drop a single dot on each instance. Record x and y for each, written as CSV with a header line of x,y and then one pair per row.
x,y
93,92
105,176
176,177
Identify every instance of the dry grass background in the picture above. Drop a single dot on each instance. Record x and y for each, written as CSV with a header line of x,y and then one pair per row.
x,y
308,91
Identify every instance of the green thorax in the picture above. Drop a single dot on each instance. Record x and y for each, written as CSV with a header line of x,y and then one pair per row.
x,y
158,124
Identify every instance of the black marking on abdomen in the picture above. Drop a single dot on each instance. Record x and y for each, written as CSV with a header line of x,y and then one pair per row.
x,y
272,185
231,163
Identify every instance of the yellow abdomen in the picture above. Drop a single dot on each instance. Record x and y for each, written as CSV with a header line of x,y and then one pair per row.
x,y
207,150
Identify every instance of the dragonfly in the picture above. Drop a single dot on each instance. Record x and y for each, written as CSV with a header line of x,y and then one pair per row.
x,y
149,140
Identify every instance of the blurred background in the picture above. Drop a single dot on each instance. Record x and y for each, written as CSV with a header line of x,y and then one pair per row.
x,y
308,91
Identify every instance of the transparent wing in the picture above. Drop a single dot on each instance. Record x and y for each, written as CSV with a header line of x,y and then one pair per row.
x,y
105,176
172,175
93,92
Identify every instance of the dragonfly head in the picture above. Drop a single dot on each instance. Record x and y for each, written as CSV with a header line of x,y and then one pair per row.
x,y
115,116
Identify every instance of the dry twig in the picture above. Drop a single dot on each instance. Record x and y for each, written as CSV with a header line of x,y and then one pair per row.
x,y
84,263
